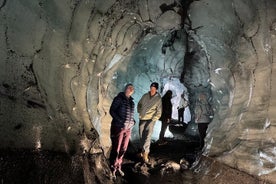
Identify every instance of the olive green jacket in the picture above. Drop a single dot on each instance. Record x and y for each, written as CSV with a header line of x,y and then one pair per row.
x,y
150,107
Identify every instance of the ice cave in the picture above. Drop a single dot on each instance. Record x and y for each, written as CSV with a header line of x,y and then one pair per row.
x,y
63,61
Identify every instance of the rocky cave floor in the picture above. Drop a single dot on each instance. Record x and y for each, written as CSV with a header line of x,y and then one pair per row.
x,y
172,163
48,167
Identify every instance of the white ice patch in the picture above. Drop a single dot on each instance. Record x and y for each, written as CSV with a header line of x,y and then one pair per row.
x,y
37,130
115,59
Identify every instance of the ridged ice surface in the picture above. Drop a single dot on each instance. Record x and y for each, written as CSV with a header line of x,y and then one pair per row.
x,y
62,62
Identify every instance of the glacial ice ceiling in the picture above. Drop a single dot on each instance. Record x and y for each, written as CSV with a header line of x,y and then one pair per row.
x,y
62,62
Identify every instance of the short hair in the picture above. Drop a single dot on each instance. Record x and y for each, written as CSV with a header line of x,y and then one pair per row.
x,y
126,86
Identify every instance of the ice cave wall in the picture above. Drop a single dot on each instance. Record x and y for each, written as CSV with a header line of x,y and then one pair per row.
x,y
62,62
242,134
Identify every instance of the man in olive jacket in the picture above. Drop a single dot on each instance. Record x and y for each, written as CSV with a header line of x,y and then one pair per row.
x,y
150,109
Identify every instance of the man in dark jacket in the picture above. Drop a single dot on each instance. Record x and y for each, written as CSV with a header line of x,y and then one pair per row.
x,y
122,112
166,114
183,103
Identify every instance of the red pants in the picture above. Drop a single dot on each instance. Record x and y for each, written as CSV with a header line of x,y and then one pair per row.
x,y
119,139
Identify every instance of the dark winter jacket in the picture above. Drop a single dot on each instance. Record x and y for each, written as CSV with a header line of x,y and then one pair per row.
x,y
122,111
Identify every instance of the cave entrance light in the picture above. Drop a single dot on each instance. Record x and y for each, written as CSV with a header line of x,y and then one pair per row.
x,y
173,84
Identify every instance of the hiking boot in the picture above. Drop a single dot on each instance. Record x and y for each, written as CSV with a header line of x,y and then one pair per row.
x,y
113,175
145,157
121,172
162,142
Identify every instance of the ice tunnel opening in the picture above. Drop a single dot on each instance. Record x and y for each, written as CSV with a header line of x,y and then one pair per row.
x,y
149,63
173,83
154,60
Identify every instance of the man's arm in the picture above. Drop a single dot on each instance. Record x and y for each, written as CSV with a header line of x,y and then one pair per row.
x,y
113,109
158,112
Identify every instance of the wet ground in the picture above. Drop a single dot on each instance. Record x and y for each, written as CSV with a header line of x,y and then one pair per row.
x,y
170,163
20,166
175,163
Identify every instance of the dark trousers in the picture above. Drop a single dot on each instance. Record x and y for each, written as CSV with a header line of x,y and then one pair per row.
x,y
181,115
202,128
119,139
163,130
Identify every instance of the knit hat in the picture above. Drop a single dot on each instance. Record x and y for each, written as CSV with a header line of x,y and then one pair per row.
x,y
154,84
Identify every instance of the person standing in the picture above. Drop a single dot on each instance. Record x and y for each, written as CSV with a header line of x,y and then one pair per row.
x,y
183,103
149,108
166,114
203,116
122,112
